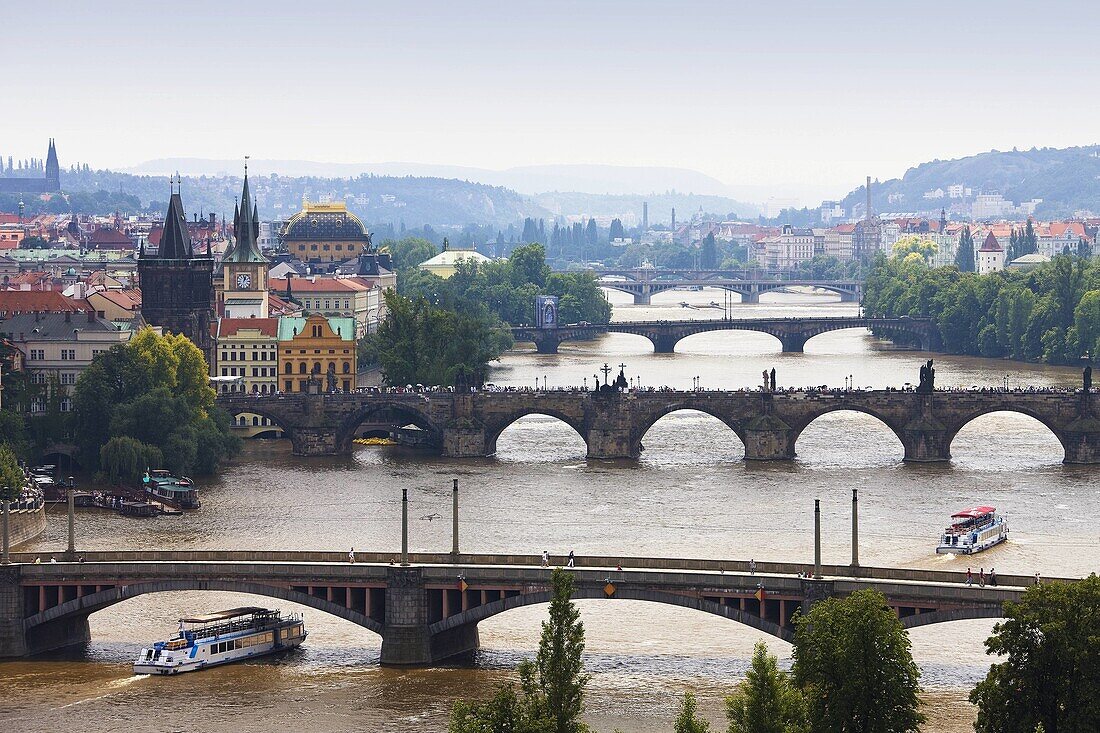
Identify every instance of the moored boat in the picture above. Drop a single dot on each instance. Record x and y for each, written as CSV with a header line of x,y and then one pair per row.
x,y
220,638
175,491
973,530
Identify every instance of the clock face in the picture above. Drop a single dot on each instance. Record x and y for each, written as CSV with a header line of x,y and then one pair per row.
x,y
244,280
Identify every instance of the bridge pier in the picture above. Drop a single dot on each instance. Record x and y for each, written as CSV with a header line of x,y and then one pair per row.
x,y
767,438
314,441
664,343
466,438
642,297
793,343
1082,446
406,639
925,445
752,297
611,444
547,344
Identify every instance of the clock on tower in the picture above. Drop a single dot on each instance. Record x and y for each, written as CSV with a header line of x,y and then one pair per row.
x,y
244,281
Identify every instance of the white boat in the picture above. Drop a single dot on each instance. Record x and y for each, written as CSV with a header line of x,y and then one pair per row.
x,y
221,638
973,530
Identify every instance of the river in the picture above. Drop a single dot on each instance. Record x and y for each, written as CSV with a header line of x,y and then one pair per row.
x,y
689,495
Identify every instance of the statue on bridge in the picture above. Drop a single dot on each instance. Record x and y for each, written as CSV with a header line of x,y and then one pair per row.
x,y
927,378
330,378
1086,378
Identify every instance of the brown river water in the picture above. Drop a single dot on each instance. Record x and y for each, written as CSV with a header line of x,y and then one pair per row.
x,y
690,495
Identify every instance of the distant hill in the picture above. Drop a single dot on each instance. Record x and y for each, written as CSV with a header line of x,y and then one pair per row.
x,y
1067,180
600,179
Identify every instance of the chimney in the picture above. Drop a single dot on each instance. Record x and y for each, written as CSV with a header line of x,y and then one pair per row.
x,y
645,216
868,197
91,316
68,316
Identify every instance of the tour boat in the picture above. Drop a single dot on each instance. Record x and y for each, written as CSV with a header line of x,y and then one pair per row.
x,y
973,530
221,638
175,491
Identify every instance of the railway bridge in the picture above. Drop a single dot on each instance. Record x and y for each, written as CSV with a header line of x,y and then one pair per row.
x,y
750,290
428,611
793,333
614,425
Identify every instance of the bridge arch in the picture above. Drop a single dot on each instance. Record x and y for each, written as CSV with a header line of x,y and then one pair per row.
x,y
480,613
955,614
1044,420
275,423
885,420
386,411
652,419
81,608
494,429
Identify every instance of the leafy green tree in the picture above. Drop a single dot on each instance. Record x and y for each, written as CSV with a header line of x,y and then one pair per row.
x,y
1086,318
126,459
852,662
11,476
1051,677
766,701
551,697
153,389
964,254
689,721
13,433
409,252
912,244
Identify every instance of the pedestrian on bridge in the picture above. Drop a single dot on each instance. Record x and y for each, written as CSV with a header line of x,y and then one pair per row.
x,y
752,567
571,560
969,577
993,576
351,556
981,578
545,559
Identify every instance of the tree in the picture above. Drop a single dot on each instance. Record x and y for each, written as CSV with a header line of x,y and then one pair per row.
x,y
688,721
766,701
551,686
1051,677
1086,317
11,476
409,252
852,662
126,459
964,254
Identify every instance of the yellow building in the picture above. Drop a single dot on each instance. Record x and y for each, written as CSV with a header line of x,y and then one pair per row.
x,y
325,233
319,349
446,262
248,349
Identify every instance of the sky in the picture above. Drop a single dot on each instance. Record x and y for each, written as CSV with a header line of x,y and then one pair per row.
x,y
806,96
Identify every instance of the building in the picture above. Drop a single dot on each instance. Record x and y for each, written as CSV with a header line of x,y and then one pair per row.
x,y
20,302
177,285
1028,262
335,297
59,346
325,233
316,352
248,348
788,249
991,256
446,262
50,183
244,268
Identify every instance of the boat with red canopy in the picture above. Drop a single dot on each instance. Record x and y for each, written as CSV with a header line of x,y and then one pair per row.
x,y
973,530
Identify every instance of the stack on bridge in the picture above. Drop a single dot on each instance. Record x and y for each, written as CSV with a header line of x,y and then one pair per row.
x,y
429,611
793,333
613,425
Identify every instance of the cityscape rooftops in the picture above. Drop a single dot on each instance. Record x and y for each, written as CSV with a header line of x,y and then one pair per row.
x,y
291,326
232,326
54,326
991,244
18,302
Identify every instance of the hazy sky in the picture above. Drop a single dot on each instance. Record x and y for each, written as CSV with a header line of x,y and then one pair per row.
x,y
811,93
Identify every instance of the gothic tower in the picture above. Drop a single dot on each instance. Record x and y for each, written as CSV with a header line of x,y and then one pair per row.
x,y
244,268
177,285
53,170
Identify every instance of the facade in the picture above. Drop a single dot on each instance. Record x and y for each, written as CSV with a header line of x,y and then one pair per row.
x,y
789,248
50,183
991,256
315,350
60,346
446,262
248,348
336,297
177,284
325,233
244,269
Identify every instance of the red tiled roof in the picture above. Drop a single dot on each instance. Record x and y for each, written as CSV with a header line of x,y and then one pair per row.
x,y
311,284
266,326
110,239
14,302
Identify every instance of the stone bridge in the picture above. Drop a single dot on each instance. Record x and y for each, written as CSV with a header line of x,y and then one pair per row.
x,y
850,291
613,426
793,333
428,611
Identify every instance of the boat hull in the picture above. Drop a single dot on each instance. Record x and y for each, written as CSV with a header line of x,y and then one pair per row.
x,y
969,549
194,665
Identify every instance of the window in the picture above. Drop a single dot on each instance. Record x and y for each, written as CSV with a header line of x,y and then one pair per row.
x,y
68,354
225,372
289,368
316,332
66,404
289,384
302,368
68,377
37,354
347,367
327,304
38,378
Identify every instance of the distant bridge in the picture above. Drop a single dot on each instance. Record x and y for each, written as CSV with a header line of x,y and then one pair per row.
x,y
429,611
614,425
793,333
750,284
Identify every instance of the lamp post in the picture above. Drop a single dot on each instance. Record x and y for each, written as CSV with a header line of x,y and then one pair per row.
x,y
6,558
855,528
404,527
817,539
586,384
72,520
454,518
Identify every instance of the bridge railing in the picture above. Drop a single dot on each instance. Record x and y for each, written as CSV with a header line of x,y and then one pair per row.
x,y
522,560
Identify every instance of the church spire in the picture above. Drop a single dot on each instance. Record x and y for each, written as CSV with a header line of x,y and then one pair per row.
x,y
175,240
246,229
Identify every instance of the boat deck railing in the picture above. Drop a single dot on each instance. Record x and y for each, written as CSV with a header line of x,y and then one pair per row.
x,y
242,624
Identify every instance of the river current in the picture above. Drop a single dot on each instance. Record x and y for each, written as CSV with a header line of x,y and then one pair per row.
x,y
690,495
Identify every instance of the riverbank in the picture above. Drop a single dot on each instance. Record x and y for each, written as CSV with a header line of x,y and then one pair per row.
x,y
25,525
